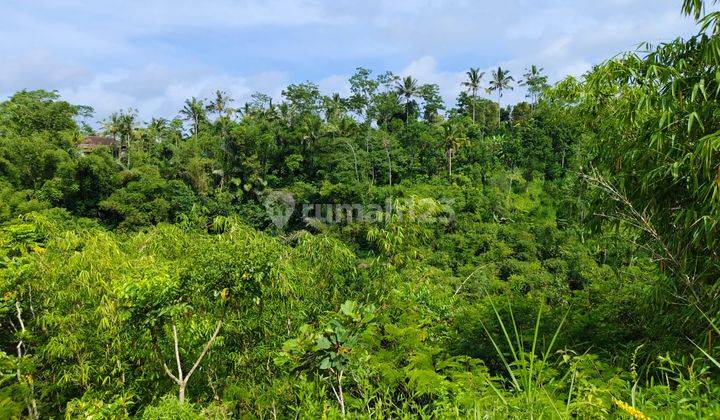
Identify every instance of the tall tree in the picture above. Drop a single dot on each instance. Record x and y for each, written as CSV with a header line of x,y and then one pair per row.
x,y
453,137
432,101
474,77
363,88
122,125
157,128
535,81
194,112
111,126
501,80
34,111
408,88
220,105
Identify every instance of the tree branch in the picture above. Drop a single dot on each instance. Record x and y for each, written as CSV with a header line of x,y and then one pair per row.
x,y
22,327
205,349
177,352
156,349
641,221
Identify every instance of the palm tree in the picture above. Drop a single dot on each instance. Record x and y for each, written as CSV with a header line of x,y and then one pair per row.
x,y
158,127
535,81
334,106
121,124
473,84
193,111
454,137
311,130
407,88
220,105
127,129
501,80
111,126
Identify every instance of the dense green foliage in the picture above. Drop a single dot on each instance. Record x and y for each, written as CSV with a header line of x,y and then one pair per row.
x,y
557,258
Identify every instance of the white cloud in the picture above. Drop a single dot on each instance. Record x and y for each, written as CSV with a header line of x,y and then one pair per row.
x,y
335,83
39,68
557,49
152,55
425,69
160,91
575,68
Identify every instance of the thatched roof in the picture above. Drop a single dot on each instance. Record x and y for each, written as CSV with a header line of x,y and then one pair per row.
x,y
96,141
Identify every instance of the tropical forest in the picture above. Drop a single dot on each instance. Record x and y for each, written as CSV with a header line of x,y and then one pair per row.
x,y
382,254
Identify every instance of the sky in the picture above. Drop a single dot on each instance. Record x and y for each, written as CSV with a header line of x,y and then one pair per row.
x,y
151,55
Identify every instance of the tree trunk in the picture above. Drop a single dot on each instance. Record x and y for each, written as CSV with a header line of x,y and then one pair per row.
x,y
339,392
355,161
181,393
32,404
182,380
342,397
387,151
223,141
473,106
370,170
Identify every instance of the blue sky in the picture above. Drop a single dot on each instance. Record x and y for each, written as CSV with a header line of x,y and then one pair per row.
x,y
151,55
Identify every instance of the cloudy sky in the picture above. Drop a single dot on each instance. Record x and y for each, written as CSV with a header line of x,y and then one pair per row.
x,y
153,54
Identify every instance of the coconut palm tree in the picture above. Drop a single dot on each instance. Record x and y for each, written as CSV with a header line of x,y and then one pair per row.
x,y
501,80
220,105
454,137
127,126
111,126
194,112
535,81
473,84
334,106
408,88
158,127
121,125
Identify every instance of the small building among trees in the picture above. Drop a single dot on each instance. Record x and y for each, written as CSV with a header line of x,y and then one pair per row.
x,y
91,143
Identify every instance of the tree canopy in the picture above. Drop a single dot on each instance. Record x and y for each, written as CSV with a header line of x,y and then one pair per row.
x,y
380,254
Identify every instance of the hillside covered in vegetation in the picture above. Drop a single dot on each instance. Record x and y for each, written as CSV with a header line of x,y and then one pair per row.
x,y
376,255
